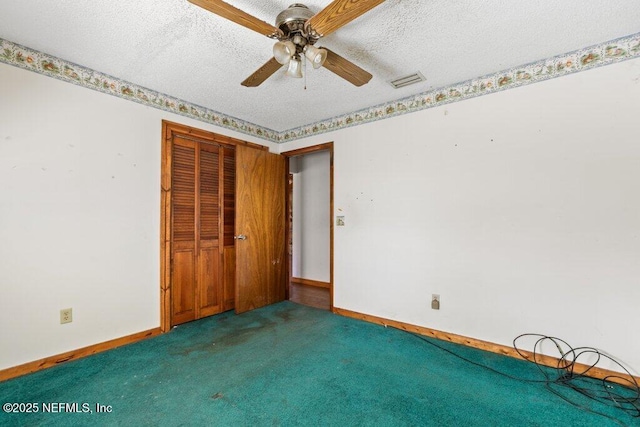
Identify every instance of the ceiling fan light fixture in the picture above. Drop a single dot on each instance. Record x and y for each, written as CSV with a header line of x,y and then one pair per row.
x,y
315,55
295,68
283,51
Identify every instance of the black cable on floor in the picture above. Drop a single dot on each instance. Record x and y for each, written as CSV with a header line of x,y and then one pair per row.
x,y
565,376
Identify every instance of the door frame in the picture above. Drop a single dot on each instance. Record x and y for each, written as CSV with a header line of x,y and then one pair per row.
x,y
169,129
328,146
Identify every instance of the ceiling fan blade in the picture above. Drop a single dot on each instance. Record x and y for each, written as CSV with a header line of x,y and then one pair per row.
x,y
262,73
236,15
339,13
346,69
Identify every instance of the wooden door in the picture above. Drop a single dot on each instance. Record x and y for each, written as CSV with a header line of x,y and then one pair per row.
x,y
183,229
260,217
208,236
200,231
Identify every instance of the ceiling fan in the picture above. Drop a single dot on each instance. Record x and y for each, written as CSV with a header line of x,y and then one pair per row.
x,y
297,30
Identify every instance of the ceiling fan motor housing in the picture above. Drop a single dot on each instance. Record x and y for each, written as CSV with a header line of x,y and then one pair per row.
x,y
291,21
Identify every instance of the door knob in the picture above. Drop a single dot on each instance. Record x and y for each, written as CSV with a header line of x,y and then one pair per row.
x,y
241,237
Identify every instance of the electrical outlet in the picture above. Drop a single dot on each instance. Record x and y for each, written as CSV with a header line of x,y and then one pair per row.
x,y
66,316
435,301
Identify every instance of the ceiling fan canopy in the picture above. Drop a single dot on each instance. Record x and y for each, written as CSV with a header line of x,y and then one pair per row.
x,y
293,18
297,29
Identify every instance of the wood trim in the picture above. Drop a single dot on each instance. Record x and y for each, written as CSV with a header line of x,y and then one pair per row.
x,y
48,362
504,350
165,229
307,150
288,227
331,222
309,282
209,135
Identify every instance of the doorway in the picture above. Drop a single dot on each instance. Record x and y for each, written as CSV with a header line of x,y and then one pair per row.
x,y
310,225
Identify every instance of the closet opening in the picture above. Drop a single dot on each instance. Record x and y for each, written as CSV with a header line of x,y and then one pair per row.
x,y
222,225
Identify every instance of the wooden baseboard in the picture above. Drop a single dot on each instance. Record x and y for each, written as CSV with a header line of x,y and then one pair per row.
x,y
309,282
48,362
595,372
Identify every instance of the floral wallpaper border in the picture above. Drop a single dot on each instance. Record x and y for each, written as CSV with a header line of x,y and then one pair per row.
x,y
30,59
561,65
580,60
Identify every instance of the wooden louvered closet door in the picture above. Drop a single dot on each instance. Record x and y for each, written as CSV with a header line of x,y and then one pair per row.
x,y
202,254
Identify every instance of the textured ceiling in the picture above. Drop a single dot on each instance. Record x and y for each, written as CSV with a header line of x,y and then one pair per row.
x,y
179,49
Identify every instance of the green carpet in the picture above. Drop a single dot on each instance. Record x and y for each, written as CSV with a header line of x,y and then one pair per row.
x,y
288,364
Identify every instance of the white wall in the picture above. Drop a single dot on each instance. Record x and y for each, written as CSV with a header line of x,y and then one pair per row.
x,y
79,215
311,216
520,208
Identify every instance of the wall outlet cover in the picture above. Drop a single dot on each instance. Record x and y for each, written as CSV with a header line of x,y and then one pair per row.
x,y
435,302
66,315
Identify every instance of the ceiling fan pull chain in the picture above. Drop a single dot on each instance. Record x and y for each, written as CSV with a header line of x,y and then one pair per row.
x,y
304,70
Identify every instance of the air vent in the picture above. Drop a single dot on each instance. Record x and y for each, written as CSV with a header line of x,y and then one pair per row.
x,y
407,80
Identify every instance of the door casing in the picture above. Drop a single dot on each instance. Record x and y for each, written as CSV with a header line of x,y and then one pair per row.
x,y
299,152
